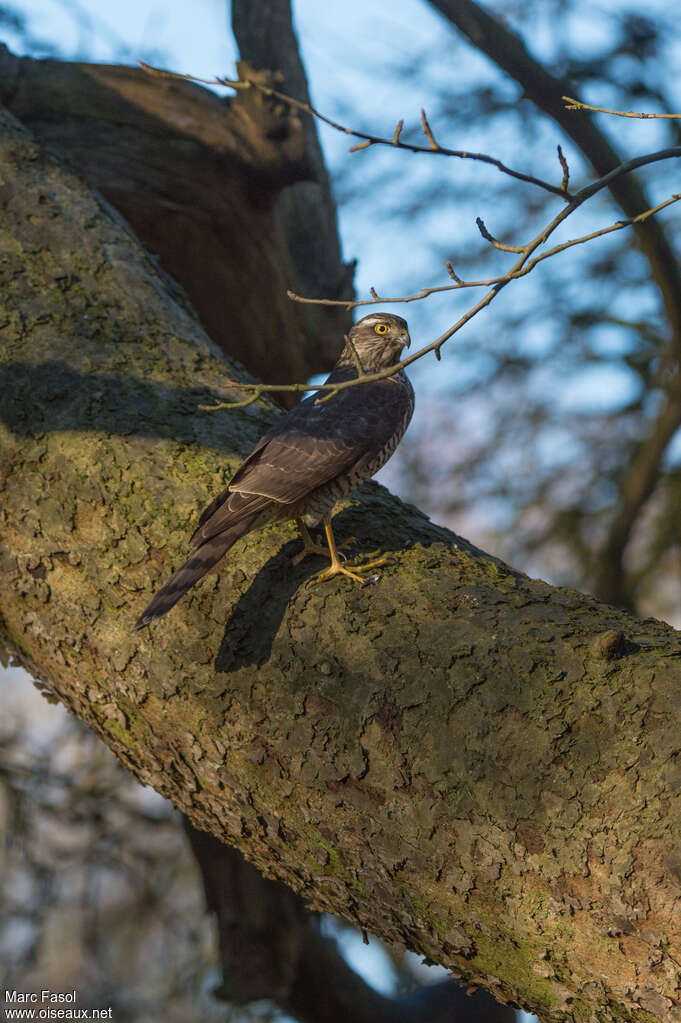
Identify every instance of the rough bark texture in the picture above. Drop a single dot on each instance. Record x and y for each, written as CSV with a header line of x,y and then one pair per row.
x,y
458,758
272,947
200,180
267,39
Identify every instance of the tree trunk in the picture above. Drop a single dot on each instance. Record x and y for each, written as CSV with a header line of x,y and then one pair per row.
x,y
202,182
458,758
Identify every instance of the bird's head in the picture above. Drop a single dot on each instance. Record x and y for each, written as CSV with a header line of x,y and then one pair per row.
x,y
378,340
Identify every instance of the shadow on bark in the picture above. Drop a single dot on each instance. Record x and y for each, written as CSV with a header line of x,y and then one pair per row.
x,y
50,396
256,618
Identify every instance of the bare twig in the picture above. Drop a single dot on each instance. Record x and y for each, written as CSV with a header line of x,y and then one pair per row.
x,y
576,104
566,170
450,271
494,241
355,357
524,265
427,131
490,281
599,234
358,366
258,392
576,200
367,140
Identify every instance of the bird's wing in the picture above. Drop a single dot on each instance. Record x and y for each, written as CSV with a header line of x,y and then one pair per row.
x,y
314,443
311,445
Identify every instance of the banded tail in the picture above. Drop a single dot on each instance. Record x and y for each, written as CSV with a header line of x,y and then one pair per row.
x,y
230,516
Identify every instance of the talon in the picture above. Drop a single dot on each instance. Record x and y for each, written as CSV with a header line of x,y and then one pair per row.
x,y
310,548
336,567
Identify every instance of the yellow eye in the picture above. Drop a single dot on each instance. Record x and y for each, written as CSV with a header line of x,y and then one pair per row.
x,y
381,328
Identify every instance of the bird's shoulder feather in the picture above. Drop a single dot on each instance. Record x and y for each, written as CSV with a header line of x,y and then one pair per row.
x,y
310,446
315,442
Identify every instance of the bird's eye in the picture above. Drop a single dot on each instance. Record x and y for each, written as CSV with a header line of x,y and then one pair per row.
x,y
381,328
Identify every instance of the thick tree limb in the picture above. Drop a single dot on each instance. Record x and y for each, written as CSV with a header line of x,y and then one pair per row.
x,y
201,181
459,759
272,948
266,38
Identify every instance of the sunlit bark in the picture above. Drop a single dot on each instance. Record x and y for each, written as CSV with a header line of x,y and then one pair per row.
x,y
458,758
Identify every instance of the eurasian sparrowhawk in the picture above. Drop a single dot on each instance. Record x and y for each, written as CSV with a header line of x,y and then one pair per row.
x,y
313,456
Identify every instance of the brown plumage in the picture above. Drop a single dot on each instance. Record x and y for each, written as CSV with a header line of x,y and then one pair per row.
x,y
313,455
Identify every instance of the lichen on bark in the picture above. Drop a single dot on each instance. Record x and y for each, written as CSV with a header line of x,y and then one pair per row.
x,y
458,758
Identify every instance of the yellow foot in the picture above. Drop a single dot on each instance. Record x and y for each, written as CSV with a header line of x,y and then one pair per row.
x,y
336,568
311,549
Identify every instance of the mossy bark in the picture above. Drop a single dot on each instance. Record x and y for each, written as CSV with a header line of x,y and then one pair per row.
x,y
458,758
201,181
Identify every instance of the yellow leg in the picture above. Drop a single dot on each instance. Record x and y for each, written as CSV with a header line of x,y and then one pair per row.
x,y
337,567
309,546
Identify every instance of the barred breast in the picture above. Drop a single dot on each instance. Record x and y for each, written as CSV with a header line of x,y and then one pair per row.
x,y
320,502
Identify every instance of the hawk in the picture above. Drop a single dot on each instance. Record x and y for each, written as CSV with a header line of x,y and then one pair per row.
x,y
313,456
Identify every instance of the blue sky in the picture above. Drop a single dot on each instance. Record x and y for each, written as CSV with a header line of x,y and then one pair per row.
x,y
354,51
342,57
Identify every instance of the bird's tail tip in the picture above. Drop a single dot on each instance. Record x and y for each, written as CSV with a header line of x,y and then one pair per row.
x,y
207,555
142,623
156,609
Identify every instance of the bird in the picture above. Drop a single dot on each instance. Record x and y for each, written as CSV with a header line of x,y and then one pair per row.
x,y
313,456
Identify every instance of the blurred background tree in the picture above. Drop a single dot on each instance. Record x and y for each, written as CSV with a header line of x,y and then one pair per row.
x,y
558,408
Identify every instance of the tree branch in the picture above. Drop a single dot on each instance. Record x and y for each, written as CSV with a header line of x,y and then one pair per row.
x,y
266,38
576,104
548,93
214,174
520,268
463,760
642,477
508,51
368,139
271,947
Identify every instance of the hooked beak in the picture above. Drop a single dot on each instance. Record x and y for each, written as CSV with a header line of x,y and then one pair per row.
x,y
406,340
